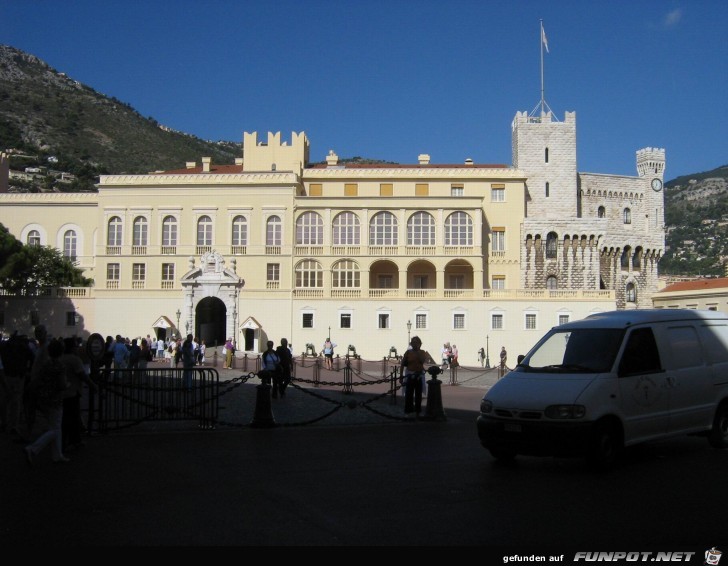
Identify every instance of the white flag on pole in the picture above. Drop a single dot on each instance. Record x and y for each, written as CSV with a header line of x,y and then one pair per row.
x,y
543,39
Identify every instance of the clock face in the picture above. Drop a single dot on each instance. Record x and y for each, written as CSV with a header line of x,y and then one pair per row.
x,y
656,185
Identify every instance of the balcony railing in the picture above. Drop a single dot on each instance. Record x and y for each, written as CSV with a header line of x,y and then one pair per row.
x,y
308,293
112,283
203,249
384,250
421,293
113,250
167,284
169,250
346,293
309,250
379,293
239,250
452,293
272,250
458,250
138,284
139,250
272,284
420,250
346,250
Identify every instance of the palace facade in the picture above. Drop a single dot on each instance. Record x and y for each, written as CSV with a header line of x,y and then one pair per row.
x,y
481,256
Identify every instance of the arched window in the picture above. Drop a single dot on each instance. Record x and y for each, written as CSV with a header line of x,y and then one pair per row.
x,y
631,293
383,229
113,237
421,229
34,238
346,229
551,245
624,259
310,229
139,231
309,274
552,282
627,216
240,231
345,273
69,245
637,259
458,229
169,231
273,231
204,231
601,212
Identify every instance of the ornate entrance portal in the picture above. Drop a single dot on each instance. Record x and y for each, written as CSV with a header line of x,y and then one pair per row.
x,y
211,297
210,316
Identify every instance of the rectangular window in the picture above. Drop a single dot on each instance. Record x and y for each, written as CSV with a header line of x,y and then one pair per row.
x,y
383,320
167,275
113,271
386,189
530,321
496,322
498,241
458,321
273,272
167,272
345,320
138,275
457,190
385,281
420,321
420,281
315,190
457,282
498,282
563,318
497,192
351,189
422,189
307,320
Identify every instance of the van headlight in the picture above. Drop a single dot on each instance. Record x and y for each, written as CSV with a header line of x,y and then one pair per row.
x,y
486,406
565,411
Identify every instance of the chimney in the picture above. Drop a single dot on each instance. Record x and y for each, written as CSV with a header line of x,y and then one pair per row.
x,y
191,164
332,159
206,162
468,161
424,159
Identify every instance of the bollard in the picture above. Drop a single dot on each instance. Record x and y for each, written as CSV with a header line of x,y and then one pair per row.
x,y
434,410
214,359
263,416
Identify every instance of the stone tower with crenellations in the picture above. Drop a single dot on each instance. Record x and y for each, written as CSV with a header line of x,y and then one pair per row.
x,y
587,231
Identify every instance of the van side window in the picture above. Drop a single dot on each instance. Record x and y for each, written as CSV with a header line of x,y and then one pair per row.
x,y
640,353
715,338
684,347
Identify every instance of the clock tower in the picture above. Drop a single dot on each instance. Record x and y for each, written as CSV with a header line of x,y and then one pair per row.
x,y
651,168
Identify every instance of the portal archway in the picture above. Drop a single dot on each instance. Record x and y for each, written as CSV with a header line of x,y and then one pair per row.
x,y
210,321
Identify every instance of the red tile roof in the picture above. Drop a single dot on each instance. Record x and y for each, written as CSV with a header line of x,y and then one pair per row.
x,y
697,285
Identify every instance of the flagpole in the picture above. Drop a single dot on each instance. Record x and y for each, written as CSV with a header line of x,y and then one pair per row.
x,y
540,40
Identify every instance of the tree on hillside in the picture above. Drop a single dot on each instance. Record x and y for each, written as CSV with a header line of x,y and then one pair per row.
x,y
29,268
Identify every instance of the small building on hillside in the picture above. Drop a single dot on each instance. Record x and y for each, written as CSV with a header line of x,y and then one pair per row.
x,y
702,294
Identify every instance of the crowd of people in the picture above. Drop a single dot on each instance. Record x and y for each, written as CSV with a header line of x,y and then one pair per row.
x,y
43,377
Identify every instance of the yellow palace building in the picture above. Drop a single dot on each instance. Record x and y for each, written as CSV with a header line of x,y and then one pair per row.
x,y
369,254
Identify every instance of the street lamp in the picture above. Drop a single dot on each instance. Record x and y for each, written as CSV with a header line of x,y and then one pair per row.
x,y
487,353
178,313
409,328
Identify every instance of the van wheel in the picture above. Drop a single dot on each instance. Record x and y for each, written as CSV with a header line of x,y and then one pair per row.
x,y
605,445
718,435
503,454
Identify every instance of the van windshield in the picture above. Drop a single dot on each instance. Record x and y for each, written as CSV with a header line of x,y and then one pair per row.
x,y
586,350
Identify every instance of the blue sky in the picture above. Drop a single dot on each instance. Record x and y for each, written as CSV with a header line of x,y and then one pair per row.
x,y
390,79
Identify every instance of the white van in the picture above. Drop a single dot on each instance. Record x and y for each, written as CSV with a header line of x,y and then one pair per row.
x,y
613,379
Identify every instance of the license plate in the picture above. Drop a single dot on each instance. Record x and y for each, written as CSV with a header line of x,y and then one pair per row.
x,y
511,427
